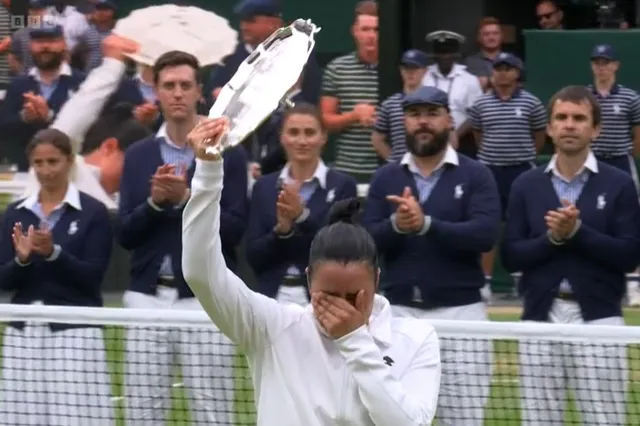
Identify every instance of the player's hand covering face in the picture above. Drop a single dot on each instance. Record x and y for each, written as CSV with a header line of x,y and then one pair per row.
x,y
337,316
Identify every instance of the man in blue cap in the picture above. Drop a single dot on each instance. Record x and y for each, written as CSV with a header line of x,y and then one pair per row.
x,y
258,20
619,141
33,100
388,134
432,216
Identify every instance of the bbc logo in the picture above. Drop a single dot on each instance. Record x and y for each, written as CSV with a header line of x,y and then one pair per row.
x,y
20,21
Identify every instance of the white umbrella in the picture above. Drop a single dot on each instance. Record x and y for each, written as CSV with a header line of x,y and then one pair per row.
x,y
160,29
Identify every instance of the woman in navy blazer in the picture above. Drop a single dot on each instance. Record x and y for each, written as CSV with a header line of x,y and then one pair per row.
x,y
54,250
289,206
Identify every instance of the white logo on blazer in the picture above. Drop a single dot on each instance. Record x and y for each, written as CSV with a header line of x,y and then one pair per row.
x,y
417,295
73,227
601,203
458,192
331,195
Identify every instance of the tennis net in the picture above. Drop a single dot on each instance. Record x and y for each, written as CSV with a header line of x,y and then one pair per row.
x,y
100,366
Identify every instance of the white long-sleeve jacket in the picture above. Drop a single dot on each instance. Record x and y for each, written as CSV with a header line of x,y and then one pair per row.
x,y
300,376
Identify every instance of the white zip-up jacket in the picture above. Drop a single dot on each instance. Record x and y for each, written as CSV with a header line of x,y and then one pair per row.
x,y
302,377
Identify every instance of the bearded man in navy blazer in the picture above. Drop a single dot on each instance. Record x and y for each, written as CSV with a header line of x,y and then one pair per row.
x,y
573,231
432,215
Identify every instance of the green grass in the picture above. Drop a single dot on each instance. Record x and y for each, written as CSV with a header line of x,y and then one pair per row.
x,y
503,408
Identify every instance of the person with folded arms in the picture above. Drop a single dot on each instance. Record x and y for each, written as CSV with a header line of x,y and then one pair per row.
x,y
289,206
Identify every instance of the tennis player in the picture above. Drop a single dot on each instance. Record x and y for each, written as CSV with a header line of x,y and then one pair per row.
x,y
341,360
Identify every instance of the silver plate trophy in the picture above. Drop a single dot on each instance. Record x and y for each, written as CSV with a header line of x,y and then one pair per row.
x,y
263,82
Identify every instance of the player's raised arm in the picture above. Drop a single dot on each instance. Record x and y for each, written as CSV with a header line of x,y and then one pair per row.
x,y
248,318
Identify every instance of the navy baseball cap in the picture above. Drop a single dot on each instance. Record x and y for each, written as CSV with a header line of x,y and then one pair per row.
x,y
46,32
508,59
106,5
603,51
426,95
37,4
250,8
414,58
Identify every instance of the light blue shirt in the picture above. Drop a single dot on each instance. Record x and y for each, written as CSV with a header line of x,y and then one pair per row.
x,y
180,156
425,184
46,90
571,189
147,91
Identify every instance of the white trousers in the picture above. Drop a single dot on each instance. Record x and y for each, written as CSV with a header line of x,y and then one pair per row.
x,y
296,295
55,378
207,358
466,366
596,373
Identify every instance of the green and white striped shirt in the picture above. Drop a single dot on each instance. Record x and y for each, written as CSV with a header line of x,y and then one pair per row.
x,y
353,82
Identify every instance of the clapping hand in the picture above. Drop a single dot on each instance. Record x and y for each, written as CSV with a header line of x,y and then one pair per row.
x,y
336,316
42,241
169,184
562,221
22,243
38,104
409,215
289,207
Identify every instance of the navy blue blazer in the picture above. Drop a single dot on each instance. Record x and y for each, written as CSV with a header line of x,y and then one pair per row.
x,y
270,256
594,261
152,234
221,74
75,277
444,264
17,133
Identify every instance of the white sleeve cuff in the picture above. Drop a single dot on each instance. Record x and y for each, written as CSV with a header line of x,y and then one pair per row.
x,y
115,67
553,240
154,205
304,216
56,253
426,226
576,228
20,263
395,226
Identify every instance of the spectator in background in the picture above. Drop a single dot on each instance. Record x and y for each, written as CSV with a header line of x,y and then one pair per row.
x,y
80,113
509,125
431,216
102,18
74,23
489,40
462,87
19,51
258,20
155,187
33,101
54,250
289,206
350,96
388,136
549,15
618,143
573,232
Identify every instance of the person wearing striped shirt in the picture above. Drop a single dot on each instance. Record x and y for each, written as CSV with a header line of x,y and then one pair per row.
x,y
350,95
619,140
509,128
388,136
